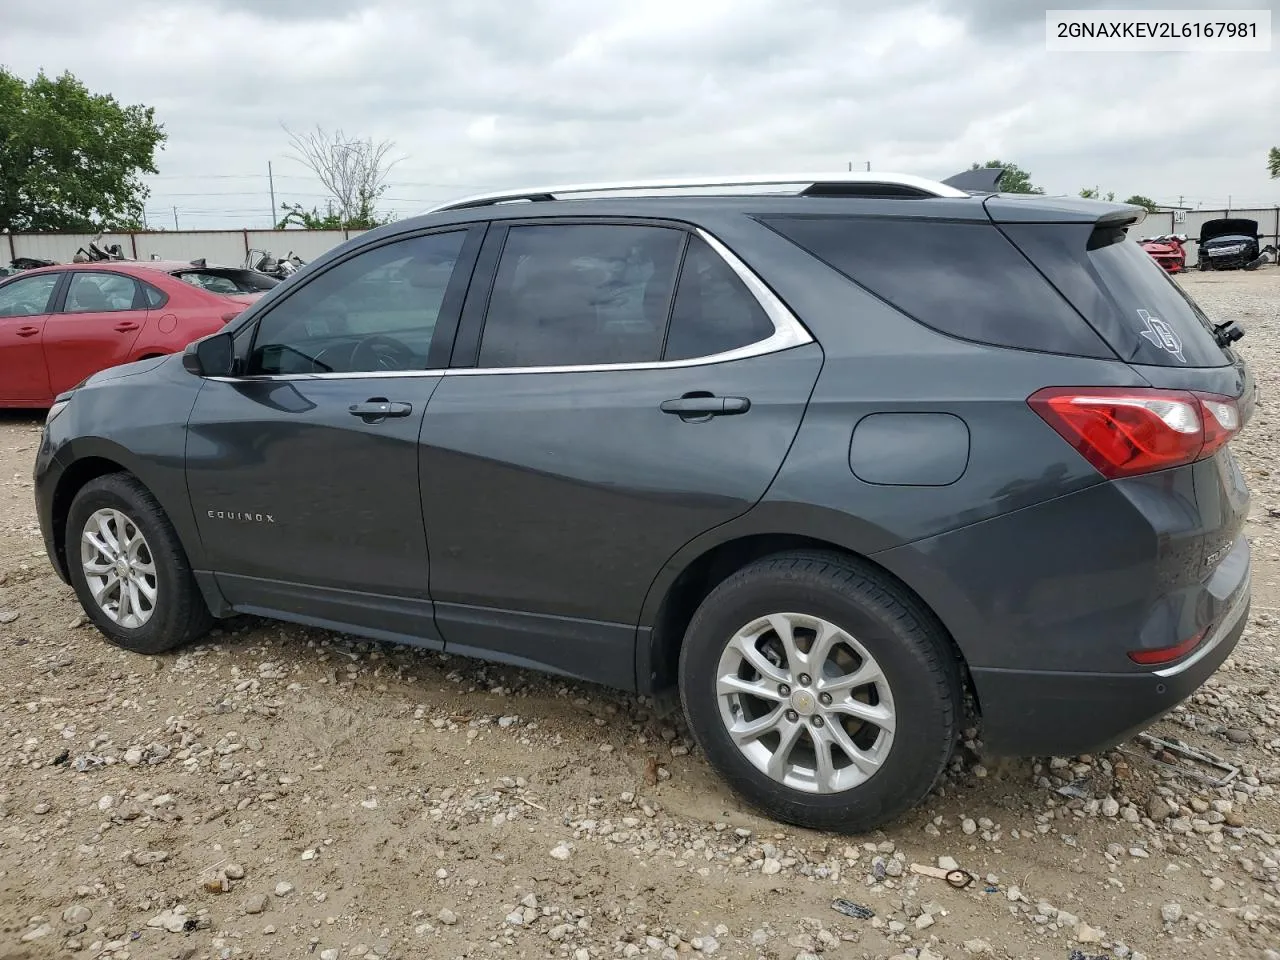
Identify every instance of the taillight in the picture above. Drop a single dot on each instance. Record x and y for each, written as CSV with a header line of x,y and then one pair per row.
x,y
1125,431
1167,654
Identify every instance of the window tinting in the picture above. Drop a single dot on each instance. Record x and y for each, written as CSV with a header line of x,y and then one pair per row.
x,y
374,312
102,293
568,294
714,311
1108,278
28,296
963,279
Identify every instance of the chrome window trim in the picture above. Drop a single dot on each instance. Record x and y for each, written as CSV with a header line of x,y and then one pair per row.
x,y
788,332
788,183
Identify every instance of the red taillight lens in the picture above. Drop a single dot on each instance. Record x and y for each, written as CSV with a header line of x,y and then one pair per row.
x,y
1124,431
1167,654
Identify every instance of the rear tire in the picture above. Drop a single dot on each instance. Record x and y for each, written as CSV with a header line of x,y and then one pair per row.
x,y
866,680
129,570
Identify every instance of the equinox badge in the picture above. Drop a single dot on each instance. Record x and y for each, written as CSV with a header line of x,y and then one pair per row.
x,y
238,515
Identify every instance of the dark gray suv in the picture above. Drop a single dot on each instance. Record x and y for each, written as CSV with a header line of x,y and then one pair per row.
x,y
840,458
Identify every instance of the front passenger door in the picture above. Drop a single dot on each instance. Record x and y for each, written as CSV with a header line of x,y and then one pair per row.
x,y
303,471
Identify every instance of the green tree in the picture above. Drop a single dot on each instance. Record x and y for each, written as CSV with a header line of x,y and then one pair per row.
x,y
1015,179
71,159
1273,163
1138,200
1093,193
363,216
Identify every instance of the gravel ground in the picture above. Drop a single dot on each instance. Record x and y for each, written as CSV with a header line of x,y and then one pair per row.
x,y
284,792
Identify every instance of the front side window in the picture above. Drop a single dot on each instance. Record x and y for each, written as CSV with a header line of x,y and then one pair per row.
x,y
375,312
28,296
576,294
101,293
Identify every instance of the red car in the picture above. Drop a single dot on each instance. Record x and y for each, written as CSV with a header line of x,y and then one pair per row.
x,y
1167,251
60,324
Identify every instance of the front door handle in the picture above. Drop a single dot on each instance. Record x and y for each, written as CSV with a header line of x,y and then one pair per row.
x,y
27,331
379,408
699,406
125,326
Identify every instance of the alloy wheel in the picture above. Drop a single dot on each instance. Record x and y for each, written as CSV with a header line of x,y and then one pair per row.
x,y
805,702
119,568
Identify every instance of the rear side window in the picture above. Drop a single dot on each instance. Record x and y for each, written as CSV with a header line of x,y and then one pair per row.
x,y
575,294
962,279
714,312
102,293
1125,294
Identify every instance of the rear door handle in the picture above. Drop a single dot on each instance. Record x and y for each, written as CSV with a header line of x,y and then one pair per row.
x,y
705,405
379,408
27,331
124,326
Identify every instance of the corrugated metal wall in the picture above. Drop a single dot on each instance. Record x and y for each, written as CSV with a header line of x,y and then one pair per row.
x,y
1166,221
225,247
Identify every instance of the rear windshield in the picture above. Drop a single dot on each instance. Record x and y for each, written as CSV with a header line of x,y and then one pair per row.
x,y
1137,307
228,280
963,279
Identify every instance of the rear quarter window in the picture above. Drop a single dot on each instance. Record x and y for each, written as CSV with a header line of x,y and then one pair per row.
x,y
963,279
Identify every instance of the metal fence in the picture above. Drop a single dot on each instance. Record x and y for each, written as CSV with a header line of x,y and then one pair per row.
x,y
1190,222
224,247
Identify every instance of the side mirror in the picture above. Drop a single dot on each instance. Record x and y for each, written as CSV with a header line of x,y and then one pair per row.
x,y
211,356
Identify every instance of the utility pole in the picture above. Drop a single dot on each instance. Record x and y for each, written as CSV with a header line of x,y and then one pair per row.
x,y
850,165
272,182
868,166
175,218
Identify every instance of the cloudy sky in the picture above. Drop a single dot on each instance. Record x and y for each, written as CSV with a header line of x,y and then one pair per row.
x,y
482,94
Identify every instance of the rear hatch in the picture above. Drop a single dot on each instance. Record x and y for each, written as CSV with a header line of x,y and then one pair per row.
x,y
1202,392
1143,314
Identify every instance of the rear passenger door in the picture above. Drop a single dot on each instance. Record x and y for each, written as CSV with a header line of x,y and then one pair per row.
x,y
617,388
100,318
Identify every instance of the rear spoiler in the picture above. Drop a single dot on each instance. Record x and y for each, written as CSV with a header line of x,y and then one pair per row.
x,y
982,180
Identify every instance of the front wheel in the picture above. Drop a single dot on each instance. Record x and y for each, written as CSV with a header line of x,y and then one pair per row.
x,y
129,570
823,693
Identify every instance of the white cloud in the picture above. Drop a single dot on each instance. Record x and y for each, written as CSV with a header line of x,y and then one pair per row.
x,y
490,93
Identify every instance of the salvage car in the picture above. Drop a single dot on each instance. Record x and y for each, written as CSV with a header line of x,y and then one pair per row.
x,y
850,462
61,323
1167,250
1229,243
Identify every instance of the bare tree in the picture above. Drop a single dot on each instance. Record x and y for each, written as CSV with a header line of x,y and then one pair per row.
x,y
353,170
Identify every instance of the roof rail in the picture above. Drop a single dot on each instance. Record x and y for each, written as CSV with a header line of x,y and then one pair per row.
x,y
794,184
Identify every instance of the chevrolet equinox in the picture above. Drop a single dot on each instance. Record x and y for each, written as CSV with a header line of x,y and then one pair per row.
x,y
843,459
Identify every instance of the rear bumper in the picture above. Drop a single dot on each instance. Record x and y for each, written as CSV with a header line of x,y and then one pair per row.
x,y
1039,713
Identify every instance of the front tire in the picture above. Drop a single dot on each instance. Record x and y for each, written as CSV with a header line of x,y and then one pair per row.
x,y
824,694
129,570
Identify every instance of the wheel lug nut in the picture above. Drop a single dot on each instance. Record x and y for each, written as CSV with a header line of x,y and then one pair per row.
x,y
804,680
792,716
818,721
825,699
784,690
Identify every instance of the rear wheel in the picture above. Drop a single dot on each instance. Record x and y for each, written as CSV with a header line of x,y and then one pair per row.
x,y
129,570
824,694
